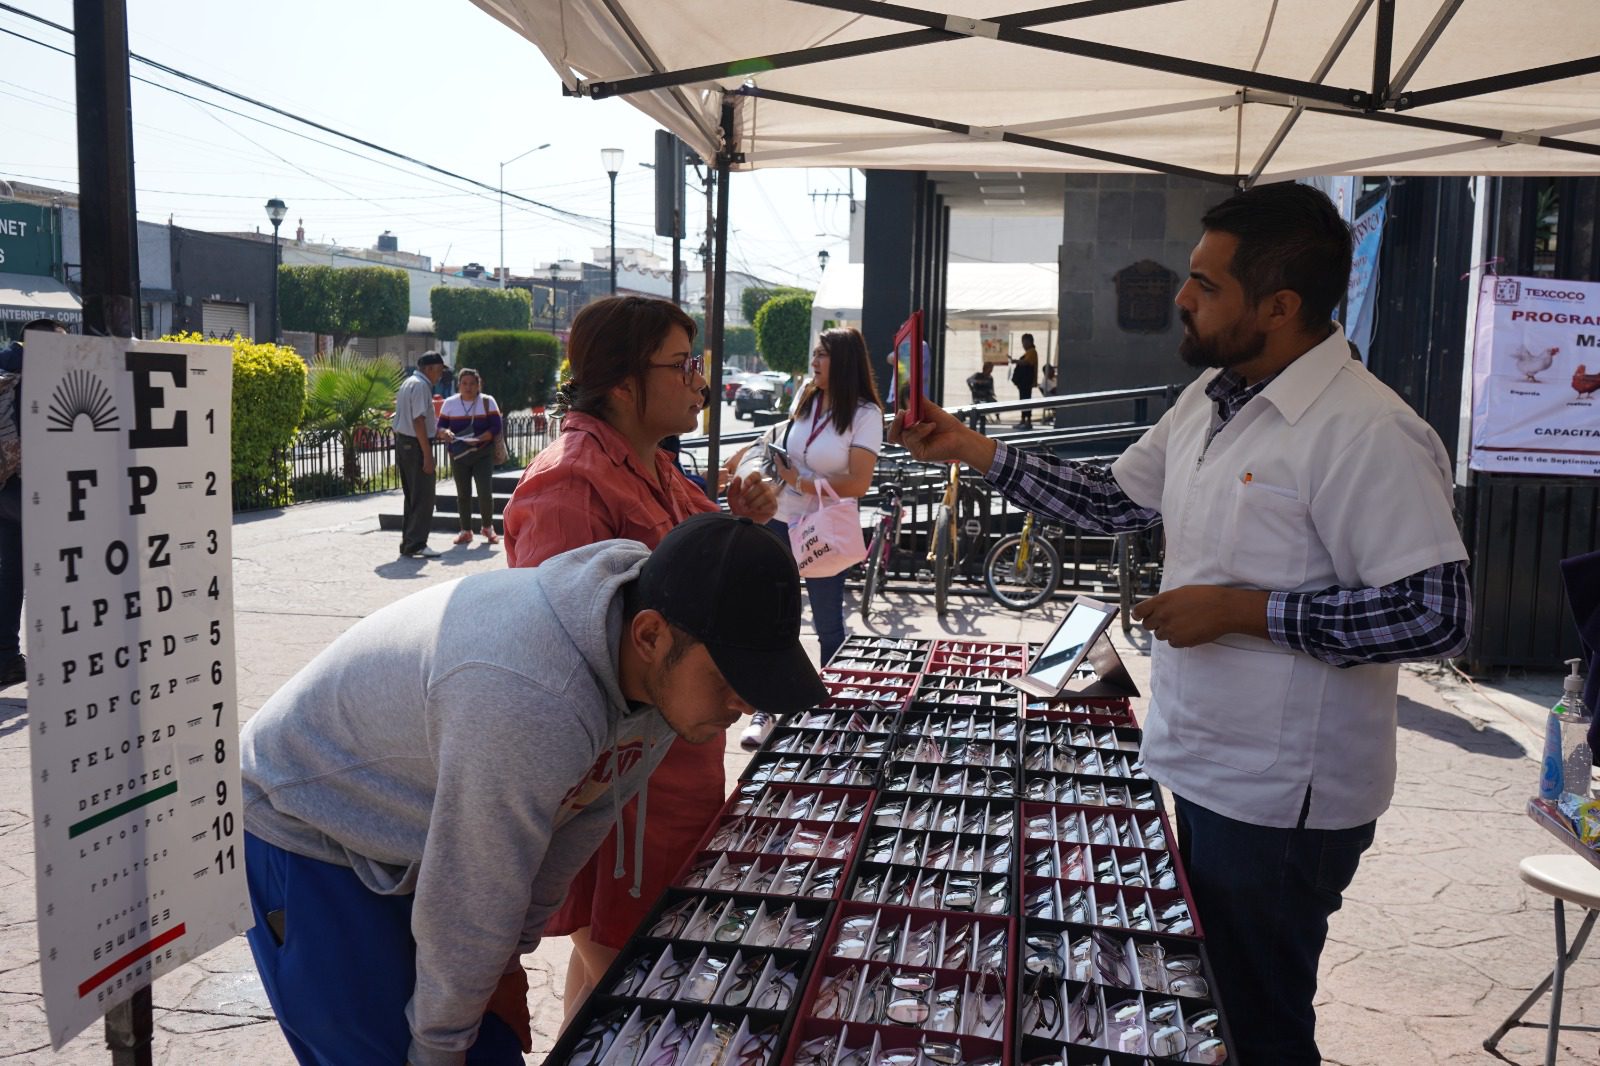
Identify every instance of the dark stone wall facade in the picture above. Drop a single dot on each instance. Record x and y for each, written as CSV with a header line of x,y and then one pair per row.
x,y
1112,222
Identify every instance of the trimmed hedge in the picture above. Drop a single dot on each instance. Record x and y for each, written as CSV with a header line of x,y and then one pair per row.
x,y
460,311
344,301
783,332
269,397
518,365
754,298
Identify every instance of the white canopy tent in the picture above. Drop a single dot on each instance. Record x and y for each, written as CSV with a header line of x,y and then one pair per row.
x,y
1229,91
1219,89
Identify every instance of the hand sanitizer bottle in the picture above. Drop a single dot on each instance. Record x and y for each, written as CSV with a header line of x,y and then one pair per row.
x,y
1550,770
1577,763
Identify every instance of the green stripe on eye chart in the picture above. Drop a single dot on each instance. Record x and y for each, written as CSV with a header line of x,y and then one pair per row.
x,y
122,808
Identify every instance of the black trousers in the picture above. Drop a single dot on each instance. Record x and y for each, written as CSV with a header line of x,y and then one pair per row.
x,y
475,467
418,490
1264,896
10,569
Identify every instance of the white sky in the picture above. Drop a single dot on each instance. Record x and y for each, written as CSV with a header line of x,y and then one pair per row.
x,y
434,79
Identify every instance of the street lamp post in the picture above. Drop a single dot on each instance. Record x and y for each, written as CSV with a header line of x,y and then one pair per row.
x,y
276,210
553,274
502,187
611,159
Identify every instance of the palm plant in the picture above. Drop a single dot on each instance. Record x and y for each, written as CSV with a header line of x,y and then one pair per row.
x,y
346,393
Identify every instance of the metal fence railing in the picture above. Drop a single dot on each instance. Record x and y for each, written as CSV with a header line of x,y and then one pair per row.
x,y
1091,562
318,467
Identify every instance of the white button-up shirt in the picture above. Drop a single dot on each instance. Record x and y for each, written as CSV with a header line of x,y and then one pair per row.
x,y
1325,479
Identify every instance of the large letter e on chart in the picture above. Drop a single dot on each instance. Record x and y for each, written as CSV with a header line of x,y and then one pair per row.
x,y
147,396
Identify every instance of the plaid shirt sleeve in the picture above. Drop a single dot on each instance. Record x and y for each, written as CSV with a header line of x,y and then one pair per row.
x,y
1425,616
1075,494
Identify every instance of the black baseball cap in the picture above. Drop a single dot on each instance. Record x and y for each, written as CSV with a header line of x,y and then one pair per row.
x,y
733,585
430,359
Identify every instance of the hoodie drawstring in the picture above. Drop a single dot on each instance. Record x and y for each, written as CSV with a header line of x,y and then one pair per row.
x,y
638,837
616,805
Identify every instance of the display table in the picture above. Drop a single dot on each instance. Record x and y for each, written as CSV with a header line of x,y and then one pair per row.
x,y
1545,813
930,869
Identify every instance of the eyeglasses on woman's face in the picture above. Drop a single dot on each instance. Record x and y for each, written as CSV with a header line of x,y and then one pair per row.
x,y
690,367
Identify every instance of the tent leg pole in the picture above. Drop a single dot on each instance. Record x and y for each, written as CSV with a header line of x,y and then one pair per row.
x,y
717,300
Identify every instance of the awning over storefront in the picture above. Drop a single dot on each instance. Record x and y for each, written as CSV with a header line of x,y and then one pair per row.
x,y
1224,90
24,298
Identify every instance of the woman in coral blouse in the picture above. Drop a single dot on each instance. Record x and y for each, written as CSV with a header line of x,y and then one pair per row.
x,y
636,378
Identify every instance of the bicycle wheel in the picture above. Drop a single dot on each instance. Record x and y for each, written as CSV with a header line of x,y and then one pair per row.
x,y
1027,585
877,565
943,561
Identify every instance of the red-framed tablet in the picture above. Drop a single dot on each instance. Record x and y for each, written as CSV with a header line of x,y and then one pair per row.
x,y
908,353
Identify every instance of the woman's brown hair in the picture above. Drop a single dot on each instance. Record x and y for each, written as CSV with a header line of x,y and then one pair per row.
x,y
849,379
611,342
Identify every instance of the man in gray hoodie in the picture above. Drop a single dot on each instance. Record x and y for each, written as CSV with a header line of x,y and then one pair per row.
x,y
418,797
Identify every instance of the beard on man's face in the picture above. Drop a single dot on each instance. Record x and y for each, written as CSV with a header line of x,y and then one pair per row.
x,y
1232,346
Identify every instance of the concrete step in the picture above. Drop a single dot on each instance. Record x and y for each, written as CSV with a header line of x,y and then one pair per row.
x,y
444,504
442,523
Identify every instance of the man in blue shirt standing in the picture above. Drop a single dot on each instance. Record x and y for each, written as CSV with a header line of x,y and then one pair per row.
x,y
415,426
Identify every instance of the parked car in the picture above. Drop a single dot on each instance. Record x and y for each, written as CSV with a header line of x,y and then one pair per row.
x,y
731,380
758,393
768,390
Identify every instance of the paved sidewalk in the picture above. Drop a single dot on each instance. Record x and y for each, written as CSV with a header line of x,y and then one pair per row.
x,y
1437,941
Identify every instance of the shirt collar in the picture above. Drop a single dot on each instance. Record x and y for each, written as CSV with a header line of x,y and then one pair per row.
x,y
1291,390
612,443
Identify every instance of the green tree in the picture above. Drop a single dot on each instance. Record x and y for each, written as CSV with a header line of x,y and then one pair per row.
x,y
518,365
377,302
783,332
356,302
308,299
462,310
752,299
346,393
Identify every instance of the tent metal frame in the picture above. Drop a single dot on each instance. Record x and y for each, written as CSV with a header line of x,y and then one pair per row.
x,y
1383,101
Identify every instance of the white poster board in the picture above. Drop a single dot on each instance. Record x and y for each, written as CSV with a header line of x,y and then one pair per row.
x,y
1536,377
127,511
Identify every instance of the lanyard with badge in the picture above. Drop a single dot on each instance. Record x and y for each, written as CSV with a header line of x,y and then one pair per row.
x,y
818,424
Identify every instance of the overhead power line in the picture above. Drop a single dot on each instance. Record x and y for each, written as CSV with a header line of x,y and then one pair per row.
x,y
214,87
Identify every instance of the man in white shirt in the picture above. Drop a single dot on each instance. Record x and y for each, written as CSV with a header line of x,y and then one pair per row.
x,y
1311,547
415,425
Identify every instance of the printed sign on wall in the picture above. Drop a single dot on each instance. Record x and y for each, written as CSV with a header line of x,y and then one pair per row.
x,y
138,831
1536,377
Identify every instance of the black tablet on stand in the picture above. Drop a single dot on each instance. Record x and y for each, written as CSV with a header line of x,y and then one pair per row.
x,y
1080,640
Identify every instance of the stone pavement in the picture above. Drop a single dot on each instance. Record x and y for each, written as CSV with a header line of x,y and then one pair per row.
x,y
1437,941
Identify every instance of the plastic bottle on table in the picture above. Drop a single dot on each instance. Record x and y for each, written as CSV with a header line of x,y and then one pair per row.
x,y
1568,763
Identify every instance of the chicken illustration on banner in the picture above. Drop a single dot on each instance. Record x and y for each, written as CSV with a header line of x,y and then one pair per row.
x,y
1534,402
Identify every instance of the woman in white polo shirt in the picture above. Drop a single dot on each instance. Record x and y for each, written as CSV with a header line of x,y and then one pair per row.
x,y
834,435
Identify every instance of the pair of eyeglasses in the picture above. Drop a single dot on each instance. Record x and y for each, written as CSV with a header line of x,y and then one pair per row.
x,y
597,1040
1042,1012
675,1045
835,995
743,981
1045,954
690,367
779,989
